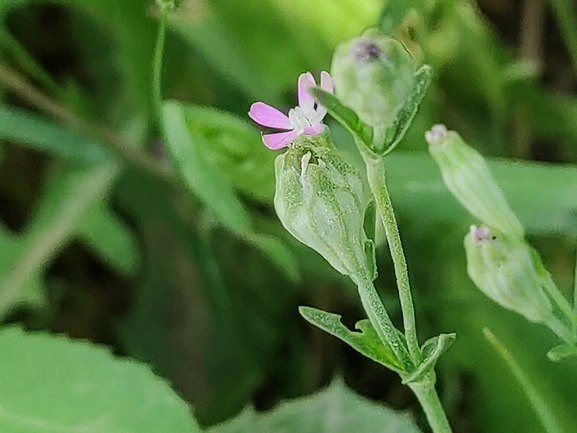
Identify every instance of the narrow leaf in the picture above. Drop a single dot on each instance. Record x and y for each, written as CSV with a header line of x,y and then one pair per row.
x,y
40,134
546,416
406,114
366,342
344,115
432,351
202,179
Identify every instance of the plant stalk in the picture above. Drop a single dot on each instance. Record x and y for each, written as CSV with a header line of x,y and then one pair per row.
x,y
376,176
427,396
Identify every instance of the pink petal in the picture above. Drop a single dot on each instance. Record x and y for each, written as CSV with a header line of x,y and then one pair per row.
x,y
327,82
266,115
279,139
315,129
305,81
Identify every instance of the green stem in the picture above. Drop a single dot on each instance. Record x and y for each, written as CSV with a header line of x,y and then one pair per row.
x,y
565,14
559,299
427,396
376,176
157,65
381,321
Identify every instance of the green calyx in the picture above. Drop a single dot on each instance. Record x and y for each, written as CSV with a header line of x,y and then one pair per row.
x,y
504,269
373,75
319,200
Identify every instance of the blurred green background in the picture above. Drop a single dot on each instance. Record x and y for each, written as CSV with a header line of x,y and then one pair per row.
x,y
101,240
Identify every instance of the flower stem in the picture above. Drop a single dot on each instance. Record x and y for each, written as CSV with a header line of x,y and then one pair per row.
x,y
157,65
376,176
427,396
380,319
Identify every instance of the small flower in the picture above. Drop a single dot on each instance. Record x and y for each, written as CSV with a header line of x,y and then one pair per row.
x,y
304,119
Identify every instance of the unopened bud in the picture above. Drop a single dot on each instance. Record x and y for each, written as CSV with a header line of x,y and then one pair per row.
x,y
503,268
373,75
467,176
319,200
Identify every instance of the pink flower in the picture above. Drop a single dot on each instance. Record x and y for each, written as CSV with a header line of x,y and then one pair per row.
x,y
305,118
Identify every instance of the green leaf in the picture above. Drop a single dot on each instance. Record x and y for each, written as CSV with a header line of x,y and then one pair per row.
x,y
202,178
236,147
406,114
69,193
52,384
335,409
38,133
278,252
561,352
109,238
366,342
546,416
344,115
432,351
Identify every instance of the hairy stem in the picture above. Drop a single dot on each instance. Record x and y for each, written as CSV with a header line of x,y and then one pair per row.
x,y
429,400
376,175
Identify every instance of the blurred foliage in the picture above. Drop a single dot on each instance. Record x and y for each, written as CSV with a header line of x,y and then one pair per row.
x,y
185,266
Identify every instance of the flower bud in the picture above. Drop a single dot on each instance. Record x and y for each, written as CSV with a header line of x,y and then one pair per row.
x,y
373,75
319,200
504,269
467,176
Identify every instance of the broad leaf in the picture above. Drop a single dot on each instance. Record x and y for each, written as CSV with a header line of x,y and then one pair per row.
x,y
52,384
336,409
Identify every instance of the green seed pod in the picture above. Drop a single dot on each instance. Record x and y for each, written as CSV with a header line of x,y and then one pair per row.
x,y
503,268
467,176
319,200
373,75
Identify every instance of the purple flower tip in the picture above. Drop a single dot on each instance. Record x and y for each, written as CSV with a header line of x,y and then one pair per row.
x,y
480,234
306,118
436,135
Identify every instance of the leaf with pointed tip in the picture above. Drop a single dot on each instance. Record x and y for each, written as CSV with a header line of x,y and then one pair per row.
x,y
366,342
406,114
335,409
344,115
432,351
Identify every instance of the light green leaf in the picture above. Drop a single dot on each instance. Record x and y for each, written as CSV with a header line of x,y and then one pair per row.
x,y
52,384
109,238
202,178
546,416
406,114
432,351
366,342
335,409
344,115
236,147
562,352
